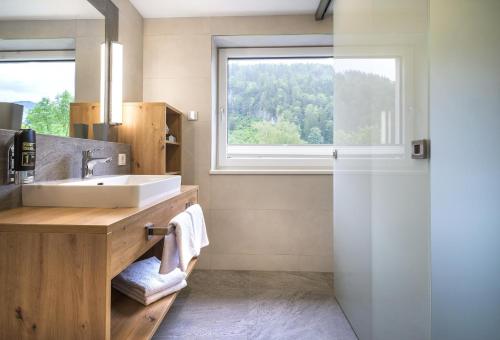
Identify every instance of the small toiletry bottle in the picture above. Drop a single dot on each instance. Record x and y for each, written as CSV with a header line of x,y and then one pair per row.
x,y
25,156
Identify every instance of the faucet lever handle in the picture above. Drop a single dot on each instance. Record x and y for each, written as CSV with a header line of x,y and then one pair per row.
x,y
95,150
90,152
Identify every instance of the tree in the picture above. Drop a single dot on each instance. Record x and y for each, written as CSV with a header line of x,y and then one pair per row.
x,y
282,132
51,117
359,99
315,136
291,98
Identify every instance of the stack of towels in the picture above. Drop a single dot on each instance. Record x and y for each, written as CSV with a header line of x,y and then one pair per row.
x,y
149,280
142,281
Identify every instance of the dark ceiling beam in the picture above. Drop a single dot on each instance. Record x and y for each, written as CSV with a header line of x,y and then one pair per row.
x,y
110,12
322,9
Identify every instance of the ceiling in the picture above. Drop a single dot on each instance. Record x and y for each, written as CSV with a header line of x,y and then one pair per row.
x,y
204,8
47,9
82,9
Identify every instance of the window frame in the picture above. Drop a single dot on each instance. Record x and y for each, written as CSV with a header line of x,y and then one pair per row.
x,y
355,157
271,157
37,56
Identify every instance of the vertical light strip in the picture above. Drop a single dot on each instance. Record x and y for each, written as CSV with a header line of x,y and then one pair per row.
x,y
116,83
103,82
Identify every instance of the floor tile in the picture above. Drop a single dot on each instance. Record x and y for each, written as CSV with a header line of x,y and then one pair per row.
x,y
256,305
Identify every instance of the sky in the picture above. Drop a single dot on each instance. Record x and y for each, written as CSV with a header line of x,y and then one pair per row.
x,y
32,81
385,67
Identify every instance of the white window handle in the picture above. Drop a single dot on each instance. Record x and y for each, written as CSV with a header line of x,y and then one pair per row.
x,y
221,113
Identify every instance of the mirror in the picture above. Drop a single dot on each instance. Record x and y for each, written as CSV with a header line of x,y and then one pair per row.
x,y
49,57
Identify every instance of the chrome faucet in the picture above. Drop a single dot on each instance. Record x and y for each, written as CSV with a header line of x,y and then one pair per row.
x,y
89,162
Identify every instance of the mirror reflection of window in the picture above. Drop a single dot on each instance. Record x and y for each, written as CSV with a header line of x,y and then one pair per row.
x,y
45,89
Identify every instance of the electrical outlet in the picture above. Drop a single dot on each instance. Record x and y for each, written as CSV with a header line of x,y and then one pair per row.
x,y
122,159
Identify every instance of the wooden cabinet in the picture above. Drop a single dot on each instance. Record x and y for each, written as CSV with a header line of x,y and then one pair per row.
x,y
144,128
56,266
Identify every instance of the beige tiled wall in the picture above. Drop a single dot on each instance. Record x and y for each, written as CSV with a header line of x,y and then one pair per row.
x,y
260,222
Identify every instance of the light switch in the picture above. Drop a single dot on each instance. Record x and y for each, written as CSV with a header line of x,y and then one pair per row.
x,y
122,159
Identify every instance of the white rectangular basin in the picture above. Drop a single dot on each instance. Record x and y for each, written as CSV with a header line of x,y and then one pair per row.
x,y
102,192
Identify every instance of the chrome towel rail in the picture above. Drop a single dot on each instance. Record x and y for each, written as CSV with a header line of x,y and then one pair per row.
x,y
151,230
162,231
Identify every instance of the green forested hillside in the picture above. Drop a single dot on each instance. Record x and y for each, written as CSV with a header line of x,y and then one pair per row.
x,y
359,100
278,103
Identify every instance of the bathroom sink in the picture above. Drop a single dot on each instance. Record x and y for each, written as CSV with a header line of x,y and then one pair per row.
x,y
102,192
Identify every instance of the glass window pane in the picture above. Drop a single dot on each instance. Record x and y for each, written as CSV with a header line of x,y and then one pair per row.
x,y
45,89
280,101
366,102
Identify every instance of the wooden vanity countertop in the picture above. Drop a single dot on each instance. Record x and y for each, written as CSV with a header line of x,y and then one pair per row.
x,y
71,220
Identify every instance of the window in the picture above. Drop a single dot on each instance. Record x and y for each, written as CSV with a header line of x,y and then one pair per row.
x,y
275,108
45,86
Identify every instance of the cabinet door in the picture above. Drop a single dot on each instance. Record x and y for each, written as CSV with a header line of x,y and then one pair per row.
x,y
54,286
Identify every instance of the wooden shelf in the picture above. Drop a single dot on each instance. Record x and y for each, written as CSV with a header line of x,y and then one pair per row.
x,y
173,173
132,320
173,152
172,143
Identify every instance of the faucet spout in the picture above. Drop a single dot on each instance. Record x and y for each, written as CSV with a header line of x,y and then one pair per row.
x,y
89,162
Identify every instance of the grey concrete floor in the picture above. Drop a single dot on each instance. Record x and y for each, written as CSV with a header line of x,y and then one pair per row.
x,y
256,305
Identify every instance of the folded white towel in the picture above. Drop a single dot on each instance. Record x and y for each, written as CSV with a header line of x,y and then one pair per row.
x,y
184,235
199,227
143,277
146,300
170,257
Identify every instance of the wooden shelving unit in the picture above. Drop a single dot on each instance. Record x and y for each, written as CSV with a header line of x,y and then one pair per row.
x,y
144,128
173,149
131,320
